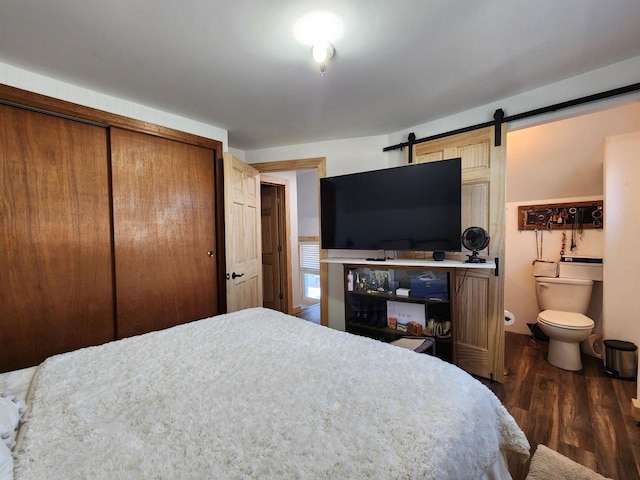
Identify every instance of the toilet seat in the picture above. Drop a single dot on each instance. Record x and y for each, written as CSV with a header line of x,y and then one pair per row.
x,y
568,320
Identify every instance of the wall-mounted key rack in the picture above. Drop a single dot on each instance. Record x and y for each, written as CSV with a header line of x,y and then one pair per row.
x,y
572,215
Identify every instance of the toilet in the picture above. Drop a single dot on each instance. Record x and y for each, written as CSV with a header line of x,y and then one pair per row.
x,y
563,302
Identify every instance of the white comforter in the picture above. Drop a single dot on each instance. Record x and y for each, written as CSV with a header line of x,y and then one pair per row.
x,y
259,394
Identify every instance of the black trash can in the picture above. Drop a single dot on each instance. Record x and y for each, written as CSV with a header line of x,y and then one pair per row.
x,y
620,359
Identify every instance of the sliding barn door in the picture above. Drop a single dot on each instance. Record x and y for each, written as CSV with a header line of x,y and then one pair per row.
x,y
164,232
56,287
479,296
242,234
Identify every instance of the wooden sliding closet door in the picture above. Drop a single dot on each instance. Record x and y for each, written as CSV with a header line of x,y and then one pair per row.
x,y
164,232
56,288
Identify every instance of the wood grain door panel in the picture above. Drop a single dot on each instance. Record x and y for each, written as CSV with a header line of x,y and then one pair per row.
x,y
479,294
472,335
242,234
271,269
164,227
56,285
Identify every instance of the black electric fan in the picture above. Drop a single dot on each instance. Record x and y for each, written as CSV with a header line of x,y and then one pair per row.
x,y
475,239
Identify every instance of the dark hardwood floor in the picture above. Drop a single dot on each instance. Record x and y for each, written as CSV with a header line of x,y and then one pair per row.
x,y
584,415
311,313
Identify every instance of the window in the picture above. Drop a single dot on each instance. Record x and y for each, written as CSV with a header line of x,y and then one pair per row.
x,y
310,271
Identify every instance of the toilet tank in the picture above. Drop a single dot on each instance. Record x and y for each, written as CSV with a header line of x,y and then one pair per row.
x,y
589,268
564,294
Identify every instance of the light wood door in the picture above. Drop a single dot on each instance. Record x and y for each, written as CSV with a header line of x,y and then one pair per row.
x,y
272,251
479,332
164,232
56,286
242,234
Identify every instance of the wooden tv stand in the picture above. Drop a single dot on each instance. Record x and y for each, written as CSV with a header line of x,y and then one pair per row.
x,y
366,306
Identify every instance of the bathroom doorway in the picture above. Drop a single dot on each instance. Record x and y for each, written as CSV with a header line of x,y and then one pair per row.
x,y
553,162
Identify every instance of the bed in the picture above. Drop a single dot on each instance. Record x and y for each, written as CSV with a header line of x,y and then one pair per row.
x,y
259,394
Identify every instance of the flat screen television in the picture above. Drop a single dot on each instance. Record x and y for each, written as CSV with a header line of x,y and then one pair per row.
x,y
413,207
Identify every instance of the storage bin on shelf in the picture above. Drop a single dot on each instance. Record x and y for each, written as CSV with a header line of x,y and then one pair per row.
x,y
430,285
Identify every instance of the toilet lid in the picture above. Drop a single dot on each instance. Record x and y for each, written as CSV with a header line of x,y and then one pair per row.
x,y
565,319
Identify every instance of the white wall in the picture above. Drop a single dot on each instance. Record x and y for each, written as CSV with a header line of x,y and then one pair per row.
x,y
239,154
622,221
33,82
564,158
308,208
343,156
622,267
606,78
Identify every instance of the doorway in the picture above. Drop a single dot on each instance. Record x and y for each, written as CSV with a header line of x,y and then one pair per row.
x,y
319,165
553,161
273,213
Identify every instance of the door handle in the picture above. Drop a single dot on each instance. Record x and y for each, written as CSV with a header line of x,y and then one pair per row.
x,y
210,253
234,275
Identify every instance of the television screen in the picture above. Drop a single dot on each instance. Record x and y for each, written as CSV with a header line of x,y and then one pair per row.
x,y
413,207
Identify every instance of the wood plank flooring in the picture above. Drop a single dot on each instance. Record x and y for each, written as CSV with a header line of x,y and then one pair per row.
x,y
311,313
584,415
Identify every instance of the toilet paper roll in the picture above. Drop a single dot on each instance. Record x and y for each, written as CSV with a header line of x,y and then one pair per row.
x,y
509,318
593,345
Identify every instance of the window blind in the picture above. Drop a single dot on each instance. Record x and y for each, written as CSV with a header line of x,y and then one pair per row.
x,y
310,256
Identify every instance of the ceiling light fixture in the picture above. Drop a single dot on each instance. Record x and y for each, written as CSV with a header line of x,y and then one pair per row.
x,y
319,30
321,54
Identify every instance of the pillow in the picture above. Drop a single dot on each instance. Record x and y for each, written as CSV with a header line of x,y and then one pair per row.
x,y
6,463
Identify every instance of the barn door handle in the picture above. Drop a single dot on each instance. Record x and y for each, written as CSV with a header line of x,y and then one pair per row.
x,y
234,275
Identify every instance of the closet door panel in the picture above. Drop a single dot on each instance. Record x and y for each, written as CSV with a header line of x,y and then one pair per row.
x,y
164,229
56,286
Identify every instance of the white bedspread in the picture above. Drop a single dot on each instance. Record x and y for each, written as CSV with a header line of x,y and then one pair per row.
x,y
259,394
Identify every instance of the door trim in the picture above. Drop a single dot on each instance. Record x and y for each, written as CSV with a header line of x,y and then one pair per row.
x,y
320,164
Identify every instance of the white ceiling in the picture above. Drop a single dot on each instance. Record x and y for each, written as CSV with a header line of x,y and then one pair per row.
x,y
236,65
